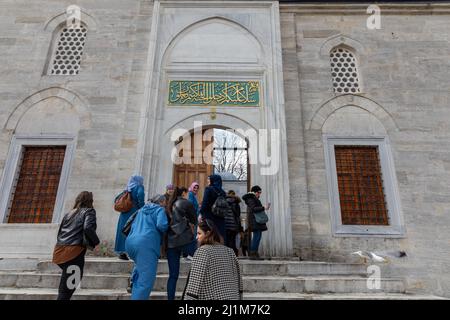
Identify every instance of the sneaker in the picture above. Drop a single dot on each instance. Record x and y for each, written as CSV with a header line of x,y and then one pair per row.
x,y
123,256
188,259
130,285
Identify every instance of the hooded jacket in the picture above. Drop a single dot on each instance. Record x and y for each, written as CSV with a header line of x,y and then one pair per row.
x,y
233,223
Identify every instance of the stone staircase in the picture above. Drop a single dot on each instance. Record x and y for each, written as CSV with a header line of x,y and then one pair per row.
x,y
107,278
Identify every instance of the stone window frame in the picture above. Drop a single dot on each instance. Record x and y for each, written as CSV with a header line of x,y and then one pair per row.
x,y
396,227
11,170
56,36
357,68
355,46
54,25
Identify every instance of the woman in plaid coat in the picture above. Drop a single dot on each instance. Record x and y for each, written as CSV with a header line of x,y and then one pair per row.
x,y
215,272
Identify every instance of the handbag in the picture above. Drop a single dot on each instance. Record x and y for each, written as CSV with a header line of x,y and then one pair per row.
x,y
123,202
261,217
127,227
180,227
182,232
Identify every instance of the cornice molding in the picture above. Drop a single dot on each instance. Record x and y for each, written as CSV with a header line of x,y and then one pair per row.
x,y
426,8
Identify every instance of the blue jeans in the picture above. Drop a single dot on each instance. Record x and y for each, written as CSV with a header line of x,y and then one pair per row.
x,y
173,259
256,239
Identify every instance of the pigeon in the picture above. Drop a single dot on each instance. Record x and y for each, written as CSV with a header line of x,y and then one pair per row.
x,y
370,255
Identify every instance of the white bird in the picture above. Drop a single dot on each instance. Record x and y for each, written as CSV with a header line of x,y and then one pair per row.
x,y
392,254
370,255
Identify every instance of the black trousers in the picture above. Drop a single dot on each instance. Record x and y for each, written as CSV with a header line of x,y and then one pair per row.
x,y
230,240
64,292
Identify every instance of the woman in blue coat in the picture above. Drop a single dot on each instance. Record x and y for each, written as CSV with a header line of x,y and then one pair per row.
x,y
143,246
209,197
136,188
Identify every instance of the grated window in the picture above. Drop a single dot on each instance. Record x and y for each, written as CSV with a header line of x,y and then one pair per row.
x,y
68,52
361,193
35,192
344,71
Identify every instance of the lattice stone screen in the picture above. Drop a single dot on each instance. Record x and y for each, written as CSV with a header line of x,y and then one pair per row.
x,y
344,71
69,49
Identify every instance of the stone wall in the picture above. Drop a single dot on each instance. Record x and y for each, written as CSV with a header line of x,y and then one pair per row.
x,y
404,69
107,93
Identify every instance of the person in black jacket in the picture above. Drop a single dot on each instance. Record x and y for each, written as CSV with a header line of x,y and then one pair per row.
x,y
76,233
180,236
254,205
209,197
233,222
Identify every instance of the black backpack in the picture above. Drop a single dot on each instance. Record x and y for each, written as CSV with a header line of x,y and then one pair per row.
x,y
221,207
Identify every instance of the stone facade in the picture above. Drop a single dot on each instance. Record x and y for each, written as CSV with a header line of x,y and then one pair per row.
x,y
404,71
114,113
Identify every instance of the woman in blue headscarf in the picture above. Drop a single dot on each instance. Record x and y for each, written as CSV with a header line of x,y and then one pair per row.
x,y
209,197
135,187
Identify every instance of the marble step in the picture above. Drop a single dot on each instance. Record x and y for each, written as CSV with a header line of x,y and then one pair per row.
x,y
249,267
259,283
97,294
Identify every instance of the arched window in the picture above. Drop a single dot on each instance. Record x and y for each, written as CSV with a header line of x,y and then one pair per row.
x,y
344,71
67,51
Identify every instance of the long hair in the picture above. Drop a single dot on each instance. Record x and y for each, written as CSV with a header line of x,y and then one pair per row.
x,y
178,191
212,233
84,200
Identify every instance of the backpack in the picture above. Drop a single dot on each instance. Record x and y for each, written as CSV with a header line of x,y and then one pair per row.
x,y
123,202
221,208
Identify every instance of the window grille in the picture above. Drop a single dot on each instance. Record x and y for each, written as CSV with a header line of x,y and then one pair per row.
x,y
34,195
361,194
68,51
344,71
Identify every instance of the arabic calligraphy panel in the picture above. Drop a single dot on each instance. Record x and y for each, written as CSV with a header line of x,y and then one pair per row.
x,y
222,93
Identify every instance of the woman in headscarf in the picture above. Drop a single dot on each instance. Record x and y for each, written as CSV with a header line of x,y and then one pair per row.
x,y
143,244
135,187
212,192
192,197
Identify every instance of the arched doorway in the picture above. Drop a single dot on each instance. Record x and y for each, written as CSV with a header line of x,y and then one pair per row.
x,y
214,150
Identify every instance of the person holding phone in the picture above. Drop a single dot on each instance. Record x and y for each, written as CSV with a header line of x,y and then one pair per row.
x,y
254,206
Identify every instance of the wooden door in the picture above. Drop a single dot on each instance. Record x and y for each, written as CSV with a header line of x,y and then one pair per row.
x,y
185,174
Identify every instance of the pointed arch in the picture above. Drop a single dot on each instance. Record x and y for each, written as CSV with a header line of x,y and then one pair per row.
x,y
64,94
342,40
224,119
204,22
334,104
56,21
